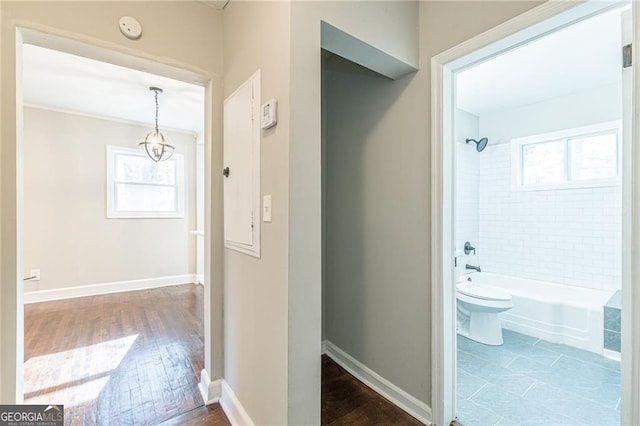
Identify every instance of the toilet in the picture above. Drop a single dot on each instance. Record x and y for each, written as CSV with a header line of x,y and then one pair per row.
x,y
478,308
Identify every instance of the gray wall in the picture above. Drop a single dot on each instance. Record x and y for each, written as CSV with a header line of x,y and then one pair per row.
x,y
392,27
256,314
376,251
66,231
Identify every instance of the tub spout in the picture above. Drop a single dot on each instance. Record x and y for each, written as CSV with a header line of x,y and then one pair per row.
x,y
471,267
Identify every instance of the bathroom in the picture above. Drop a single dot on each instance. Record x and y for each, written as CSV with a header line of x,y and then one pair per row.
x,y
538,225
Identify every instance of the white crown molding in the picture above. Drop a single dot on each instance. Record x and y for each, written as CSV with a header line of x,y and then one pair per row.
x,y
148,126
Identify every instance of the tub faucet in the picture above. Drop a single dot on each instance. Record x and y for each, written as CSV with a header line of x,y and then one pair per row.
x,y
473,268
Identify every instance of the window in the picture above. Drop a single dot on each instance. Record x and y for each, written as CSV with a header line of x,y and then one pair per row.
x,y
582,157
138,187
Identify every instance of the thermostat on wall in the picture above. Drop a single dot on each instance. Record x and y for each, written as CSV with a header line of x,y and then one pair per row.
x,y
269,114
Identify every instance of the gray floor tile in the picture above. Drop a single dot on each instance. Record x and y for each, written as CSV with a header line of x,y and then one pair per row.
x,y
540,355
468,384
561,402
495,354
580,354
507,379
551,384
475,415
514,336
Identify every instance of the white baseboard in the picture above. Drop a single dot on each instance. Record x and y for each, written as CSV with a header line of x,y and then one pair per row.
x,y
612,355
106,288
384,387
232,407
200,279
210,391
323,348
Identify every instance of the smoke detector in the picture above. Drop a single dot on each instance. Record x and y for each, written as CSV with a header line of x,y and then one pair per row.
x,y
130,27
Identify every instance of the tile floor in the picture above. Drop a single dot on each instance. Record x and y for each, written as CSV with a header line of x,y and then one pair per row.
x,y
528,381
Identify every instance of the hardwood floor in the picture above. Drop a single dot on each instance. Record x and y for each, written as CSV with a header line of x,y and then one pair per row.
x,y
135,358
347,401
211,415
124,358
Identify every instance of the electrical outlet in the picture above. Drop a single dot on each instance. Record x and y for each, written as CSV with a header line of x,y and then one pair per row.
x,y
35,273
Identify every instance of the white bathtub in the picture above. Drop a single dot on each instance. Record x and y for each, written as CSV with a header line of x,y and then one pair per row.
x,y
554,312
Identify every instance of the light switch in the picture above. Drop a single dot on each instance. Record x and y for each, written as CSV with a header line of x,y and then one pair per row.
x,y
266,208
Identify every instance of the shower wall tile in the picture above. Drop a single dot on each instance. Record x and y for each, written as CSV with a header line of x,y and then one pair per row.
x,y
612,340
568,236
467,179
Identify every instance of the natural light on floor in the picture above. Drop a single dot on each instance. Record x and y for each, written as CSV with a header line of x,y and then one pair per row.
x,y
45,375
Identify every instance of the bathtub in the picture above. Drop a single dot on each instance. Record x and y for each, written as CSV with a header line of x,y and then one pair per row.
x,y
554,312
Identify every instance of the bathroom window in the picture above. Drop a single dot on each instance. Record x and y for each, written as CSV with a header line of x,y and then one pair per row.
x,y
581,157
140,188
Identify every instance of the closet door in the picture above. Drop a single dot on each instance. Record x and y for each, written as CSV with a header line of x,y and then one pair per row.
x,y
242,168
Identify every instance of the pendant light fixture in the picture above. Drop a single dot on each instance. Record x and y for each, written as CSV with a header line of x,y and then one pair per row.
x,y
154,144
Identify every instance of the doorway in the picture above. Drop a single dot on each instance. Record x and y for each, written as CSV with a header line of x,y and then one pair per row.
x,y
538,170
498,43
85,47
83,121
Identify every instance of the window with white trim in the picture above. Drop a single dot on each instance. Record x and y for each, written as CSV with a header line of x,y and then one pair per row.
x,y
573,158
137,187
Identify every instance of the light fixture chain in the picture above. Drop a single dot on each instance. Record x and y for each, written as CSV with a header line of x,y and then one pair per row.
x,y
156,93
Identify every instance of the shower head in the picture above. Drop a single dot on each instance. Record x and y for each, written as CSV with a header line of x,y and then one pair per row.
x,y
480,145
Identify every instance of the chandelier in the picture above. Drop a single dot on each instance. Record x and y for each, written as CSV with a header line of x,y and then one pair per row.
x,y
154,144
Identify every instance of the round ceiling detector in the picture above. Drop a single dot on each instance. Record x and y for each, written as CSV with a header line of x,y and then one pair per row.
x,y
130,27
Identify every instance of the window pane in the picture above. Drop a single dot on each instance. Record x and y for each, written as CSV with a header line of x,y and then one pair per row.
x,y
594,157
543,163
140,169
145,198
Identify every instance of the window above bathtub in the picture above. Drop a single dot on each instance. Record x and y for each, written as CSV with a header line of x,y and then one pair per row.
x,y
581,157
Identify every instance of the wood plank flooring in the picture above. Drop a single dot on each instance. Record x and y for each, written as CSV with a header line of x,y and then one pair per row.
x,y
211,415
135,358
347,401
125,358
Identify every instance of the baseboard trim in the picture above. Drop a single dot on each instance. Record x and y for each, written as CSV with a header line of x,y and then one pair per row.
x,y
106,288
232,407
210,391
199,279
323,347
384,387
612,355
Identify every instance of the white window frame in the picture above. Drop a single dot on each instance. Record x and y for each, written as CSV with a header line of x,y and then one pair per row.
x,y
565,135
112,213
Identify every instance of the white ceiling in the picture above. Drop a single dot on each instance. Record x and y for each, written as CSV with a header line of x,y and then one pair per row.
x,y
583,56
72,83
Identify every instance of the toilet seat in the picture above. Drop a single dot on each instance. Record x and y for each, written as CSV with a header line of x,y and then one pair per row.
x,y
482,292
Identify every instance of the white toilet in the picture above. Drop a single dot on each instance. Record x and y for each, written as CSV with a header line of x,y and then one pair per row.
x,y
478,308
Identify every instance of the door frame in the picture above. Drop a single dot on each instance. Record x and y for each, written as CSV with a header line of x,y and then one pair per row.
x,y
533,24
82,45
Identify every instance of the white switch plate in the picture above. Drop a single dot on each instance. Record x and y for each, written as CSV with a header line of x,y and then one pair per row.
x,y
266,208
269,114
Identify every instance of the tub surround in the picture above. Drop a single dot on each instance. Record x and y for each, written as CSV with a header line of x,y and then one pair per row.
x,y
612,315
